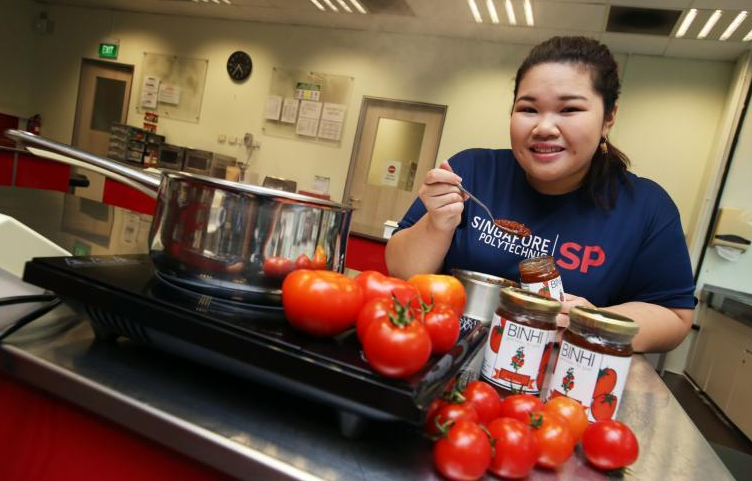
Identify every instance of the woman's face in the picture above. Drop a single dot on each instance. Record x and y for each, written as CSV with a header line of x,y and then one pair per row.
x,y
556,126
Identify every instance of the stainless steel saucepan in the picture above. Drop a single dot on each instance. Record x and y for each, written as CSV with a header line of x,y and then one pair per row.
x,y
218,237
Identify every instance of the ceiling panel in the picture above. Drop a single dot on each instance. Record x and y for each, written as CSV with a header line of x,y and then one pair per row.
x,y
452,18
570,16
701,49
629,43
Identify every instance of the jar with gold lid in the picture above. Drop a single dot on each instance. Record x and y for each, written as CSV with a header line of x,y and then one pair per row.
x,y
520,341
593,360
540,275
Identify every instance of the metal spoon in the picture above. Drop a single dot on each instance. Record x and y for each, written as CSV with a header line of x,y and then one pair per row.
x,y
497,222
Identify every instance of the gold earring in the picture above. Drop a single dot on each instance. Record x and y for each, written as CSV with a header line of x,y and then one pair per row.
x,y
604,145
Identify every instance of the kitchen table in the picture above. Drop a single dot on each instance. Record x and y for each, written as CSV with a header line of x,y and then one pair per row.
x,y
253,433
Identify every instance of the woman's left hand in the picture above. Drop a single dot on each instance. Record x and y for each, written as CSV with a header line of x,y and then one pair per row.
x,y
570,300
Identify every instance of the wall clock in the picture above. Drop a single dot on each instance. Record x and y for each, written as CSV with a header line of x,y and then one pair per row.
x,y
239,65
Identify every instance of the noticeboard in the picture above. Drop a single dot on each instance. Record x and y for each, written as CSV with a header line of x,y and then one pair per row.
x,y
172,86
307,105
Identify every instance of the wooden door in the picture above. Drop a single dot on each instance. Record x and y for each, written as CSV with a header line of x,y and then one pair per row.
x,y
104,91
396,144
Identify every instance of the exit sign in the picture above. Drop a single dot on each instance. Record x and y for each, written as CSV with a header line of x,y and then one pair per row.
x,y
108,50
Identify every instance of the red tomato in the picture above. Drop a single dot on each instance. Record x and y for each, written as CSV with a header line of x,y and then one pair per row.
x,y
484,399
442,289
606,382
603,406
464,454
371,310
375,284
610,445
443,326
319,259
449,411
496,334
277,266
555,441
515,448
571,411
303,262
302,294
396,348
519,406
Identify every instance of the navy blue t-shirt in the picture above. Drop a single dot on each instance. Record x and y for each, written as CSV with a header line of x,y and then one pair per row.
x,y
633,252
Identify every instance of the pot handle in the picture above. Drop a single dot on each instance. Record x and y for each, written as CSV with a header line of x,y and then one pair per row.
x,y
59,152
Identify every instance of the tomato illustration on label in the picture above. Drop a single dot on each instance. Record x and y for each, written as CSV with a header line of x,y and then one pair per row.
x,y
544,362
606,382
545,290
496,334
567,382
603,406
518,360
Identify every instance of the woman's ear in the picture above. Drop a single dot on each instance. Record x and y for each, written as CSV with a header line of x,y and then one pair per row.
x,y
608,121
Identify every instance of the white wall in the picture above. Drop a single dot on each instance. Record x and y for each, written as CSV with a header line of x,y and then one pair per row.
x,y
16,57
667,121
660,130
736,193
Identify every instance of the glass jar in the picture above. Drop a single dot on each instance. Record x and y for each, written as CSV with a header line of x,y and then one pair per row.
x,y
540,275
593,360
520,341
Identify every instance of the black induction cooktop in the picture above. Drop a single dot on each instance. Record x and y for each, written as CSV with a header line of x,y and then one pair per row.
x,y
123,296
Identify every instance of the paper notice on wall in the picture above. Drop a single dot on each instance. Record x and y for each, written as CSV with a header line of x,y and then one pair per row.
x,y
310,110
150,92
273,107
391,172
330,130
290,110
333,112
169,94
307,127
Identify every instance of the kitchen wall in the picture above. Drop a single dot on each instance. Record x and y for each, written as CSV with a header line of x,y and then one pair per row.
x,y
736,193
666,123
16,57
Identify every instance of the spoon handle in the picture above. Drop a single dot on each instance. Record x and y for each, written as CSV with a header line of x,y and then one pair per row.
x,y
475,199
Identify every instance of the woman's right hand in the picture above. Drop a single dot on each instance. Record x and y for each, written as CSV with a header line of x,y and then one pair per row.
x,y
442,198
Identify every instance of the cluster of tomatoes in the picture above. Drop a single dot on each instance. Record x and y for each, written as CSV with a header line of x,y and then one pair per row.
x,y
399,323
277,267
479,432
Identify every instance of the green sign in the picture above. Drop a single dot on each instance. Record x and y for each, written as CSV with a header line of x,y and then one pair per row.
x,y
108,50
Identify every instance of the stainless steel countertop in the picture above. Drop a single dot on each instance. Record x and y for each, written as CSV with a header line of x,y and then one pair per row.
x,y
734,304
251,432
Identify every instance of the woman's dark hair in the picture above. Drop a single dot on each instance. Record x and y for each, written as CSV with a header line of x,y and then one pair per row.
x,y
609,168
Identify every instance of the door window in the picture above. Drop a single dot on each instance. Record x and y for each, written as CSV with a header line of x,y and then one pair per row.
x,y
396,152
108,103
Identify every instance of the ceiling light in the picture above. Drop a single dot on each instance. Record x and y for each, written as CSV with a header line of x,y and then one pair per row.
x,y
216,1
688,19
227,2
318,5
474,11
331,5
529,14
492,11
358,6
747,37
510,12
345,6
709,24
733,26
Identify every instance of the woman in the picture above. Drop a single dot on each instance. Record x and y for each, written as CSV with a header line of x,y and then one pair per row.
x,y
616,238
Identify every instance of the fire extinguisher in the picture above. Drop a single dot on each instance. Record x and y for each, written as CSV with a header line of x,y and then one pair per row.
x,y
34,124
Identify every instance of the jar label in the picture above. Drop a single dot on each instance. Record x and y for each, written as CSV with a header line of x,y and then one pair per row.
x,y
595,380
516,355
552,288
